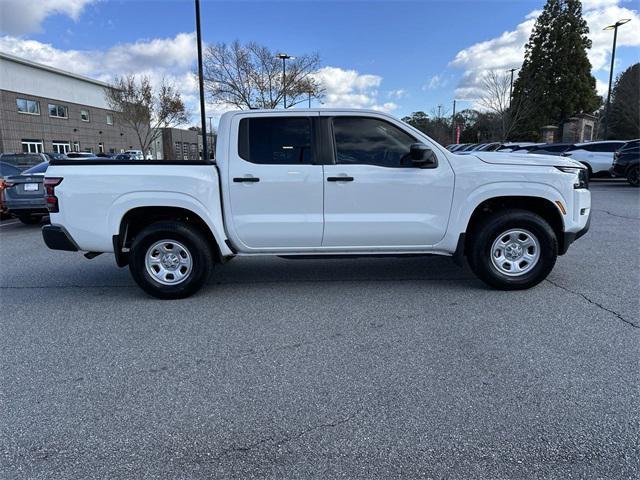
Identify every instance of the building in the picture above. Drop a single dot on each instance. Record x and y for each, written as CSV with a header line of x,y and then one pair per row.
x,y
44,109
176,144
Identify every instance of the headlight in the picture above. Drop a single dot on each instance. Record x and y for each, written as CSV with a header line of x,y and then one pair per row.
x,y
581,174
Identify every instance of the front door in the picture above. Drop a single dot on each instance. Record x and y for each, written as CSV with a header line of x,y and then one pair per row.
x,y
276,189
375,196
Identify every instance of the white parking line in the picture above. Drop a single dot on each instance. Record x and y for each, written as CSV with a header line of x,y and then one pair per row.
x,y
6,224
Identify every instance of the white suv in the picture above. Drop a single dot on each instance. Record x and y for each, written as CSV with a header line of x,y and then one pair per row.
x,y
596,156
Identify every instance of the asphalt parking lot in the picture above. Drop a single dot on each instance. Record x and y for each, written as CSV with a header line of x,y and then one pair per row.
x,y
369,368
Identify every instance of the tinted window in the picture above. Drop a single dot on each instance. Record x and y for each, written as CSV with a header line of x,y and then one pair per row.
x,y
276,140
554,148
369,141
603,147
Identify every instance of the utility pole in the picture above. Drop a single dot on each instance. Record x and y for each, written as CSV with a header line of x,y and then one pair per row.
x,y
284,57
453,123
309,98
205,151
511,87
439,109
613,27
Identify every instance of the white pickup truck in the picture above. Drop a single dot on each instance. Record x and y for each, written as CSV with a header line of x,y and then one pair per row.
x,y
297,183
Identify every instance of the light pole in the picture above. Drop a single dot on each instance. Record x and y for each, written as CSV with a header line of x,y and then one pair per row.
x,y
613,27
511,85
205,151
453,123
284,57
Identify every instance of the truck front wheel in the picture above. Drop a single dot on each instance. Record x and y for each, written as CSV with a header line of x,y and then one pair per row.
x,y
170,259
513,250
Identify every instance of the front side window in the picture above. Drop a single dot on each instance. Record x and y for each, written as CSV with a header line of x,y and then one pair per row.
x,y
84,115
276,140
370,141
28,106
58,111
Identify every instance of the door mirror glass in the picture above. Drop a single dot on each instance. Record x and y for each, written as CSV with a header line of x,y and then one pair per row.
x,y
422,156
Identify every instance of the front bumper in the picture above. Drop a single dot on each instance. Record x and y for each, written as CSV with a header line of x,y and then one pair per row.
x,y
57,238
570,237
618,170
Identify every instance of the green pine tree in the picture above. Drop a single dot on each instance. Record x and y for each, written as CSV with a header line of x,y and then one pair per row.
x,y
555,80
624,119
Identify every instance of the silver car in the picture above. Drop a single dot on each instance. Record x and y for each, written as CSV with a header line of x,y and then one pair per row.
x,y
24,194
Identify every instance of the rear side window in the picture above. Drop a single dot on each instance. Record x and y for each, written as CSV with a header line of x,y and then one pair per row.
x,y
370,141
275,140
603,147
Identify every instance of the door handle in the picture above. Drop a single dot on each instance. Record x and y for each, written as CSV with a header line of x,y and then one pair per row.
x,y
246,179
340,179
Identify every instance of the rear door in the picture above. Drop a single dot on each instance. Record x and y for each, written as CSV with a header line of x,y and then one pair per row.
x,y
275,183
375,196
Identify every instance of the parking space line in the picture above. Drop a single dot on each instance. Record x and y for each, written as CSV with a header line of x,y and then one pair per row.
x,y
6,224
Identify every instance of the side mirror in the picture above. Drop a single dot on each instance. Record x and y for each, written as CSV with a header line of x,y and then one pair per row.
x,y
422,156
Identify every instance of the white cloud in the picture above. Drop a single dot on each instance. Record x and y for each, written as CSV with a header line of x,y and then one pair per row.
x,y
435,82
400,93
350,89
507,50
18,17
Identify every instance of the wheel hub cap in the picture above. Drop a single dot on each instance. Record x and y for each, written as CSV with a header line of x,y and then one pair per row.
x,y
515,252
168,262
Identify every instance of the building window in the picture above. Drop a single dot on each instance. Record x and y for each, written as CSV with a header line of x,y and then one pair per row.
x,y
185,151
32,146
88,150
58,111
193,155
31,107
61,147
178,150
101,147
84,115
109,119
76,146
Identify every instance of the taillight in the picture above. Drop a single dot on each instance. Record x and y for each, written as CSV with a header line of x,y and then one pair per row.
x,y
50,184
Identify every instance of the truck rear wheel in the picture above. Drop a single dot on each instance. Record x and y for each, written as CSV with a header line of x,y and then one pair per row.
x,y
513,250
170,260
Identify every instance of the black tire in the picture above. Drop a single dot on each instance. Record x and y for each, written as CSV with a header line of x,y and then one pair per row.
x,y
192,239
482,239
30,219
633,176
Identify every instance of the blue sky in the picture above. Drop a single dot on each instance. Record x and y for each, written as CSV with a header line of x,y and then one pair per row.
x,y
393,55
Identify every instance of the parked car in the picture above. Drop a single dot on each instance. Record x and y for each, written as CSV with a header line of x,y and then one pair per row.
x,y
24,195
490,147
459,147
513,146
626,163
23,160
135,154
375,186
6,170
106,155
550,148
126,156
55,155
596,156
77,155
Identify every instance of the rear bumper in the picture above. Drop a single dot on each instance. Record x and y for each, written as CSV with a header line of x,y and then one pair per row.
x,y
57,238
25,205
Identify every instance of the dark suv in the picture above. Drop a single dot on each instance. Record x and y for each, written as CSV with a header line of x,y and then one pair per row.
x,y
626,162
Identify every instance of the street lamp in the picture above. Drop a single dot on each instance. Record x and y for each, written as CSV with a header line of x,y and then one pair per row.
x,y
613,27
203,124
284,57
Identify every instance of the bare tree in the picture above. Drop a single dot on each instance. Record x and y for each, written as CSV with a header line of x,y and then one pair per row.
x,y
250,76
495,97
144,109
